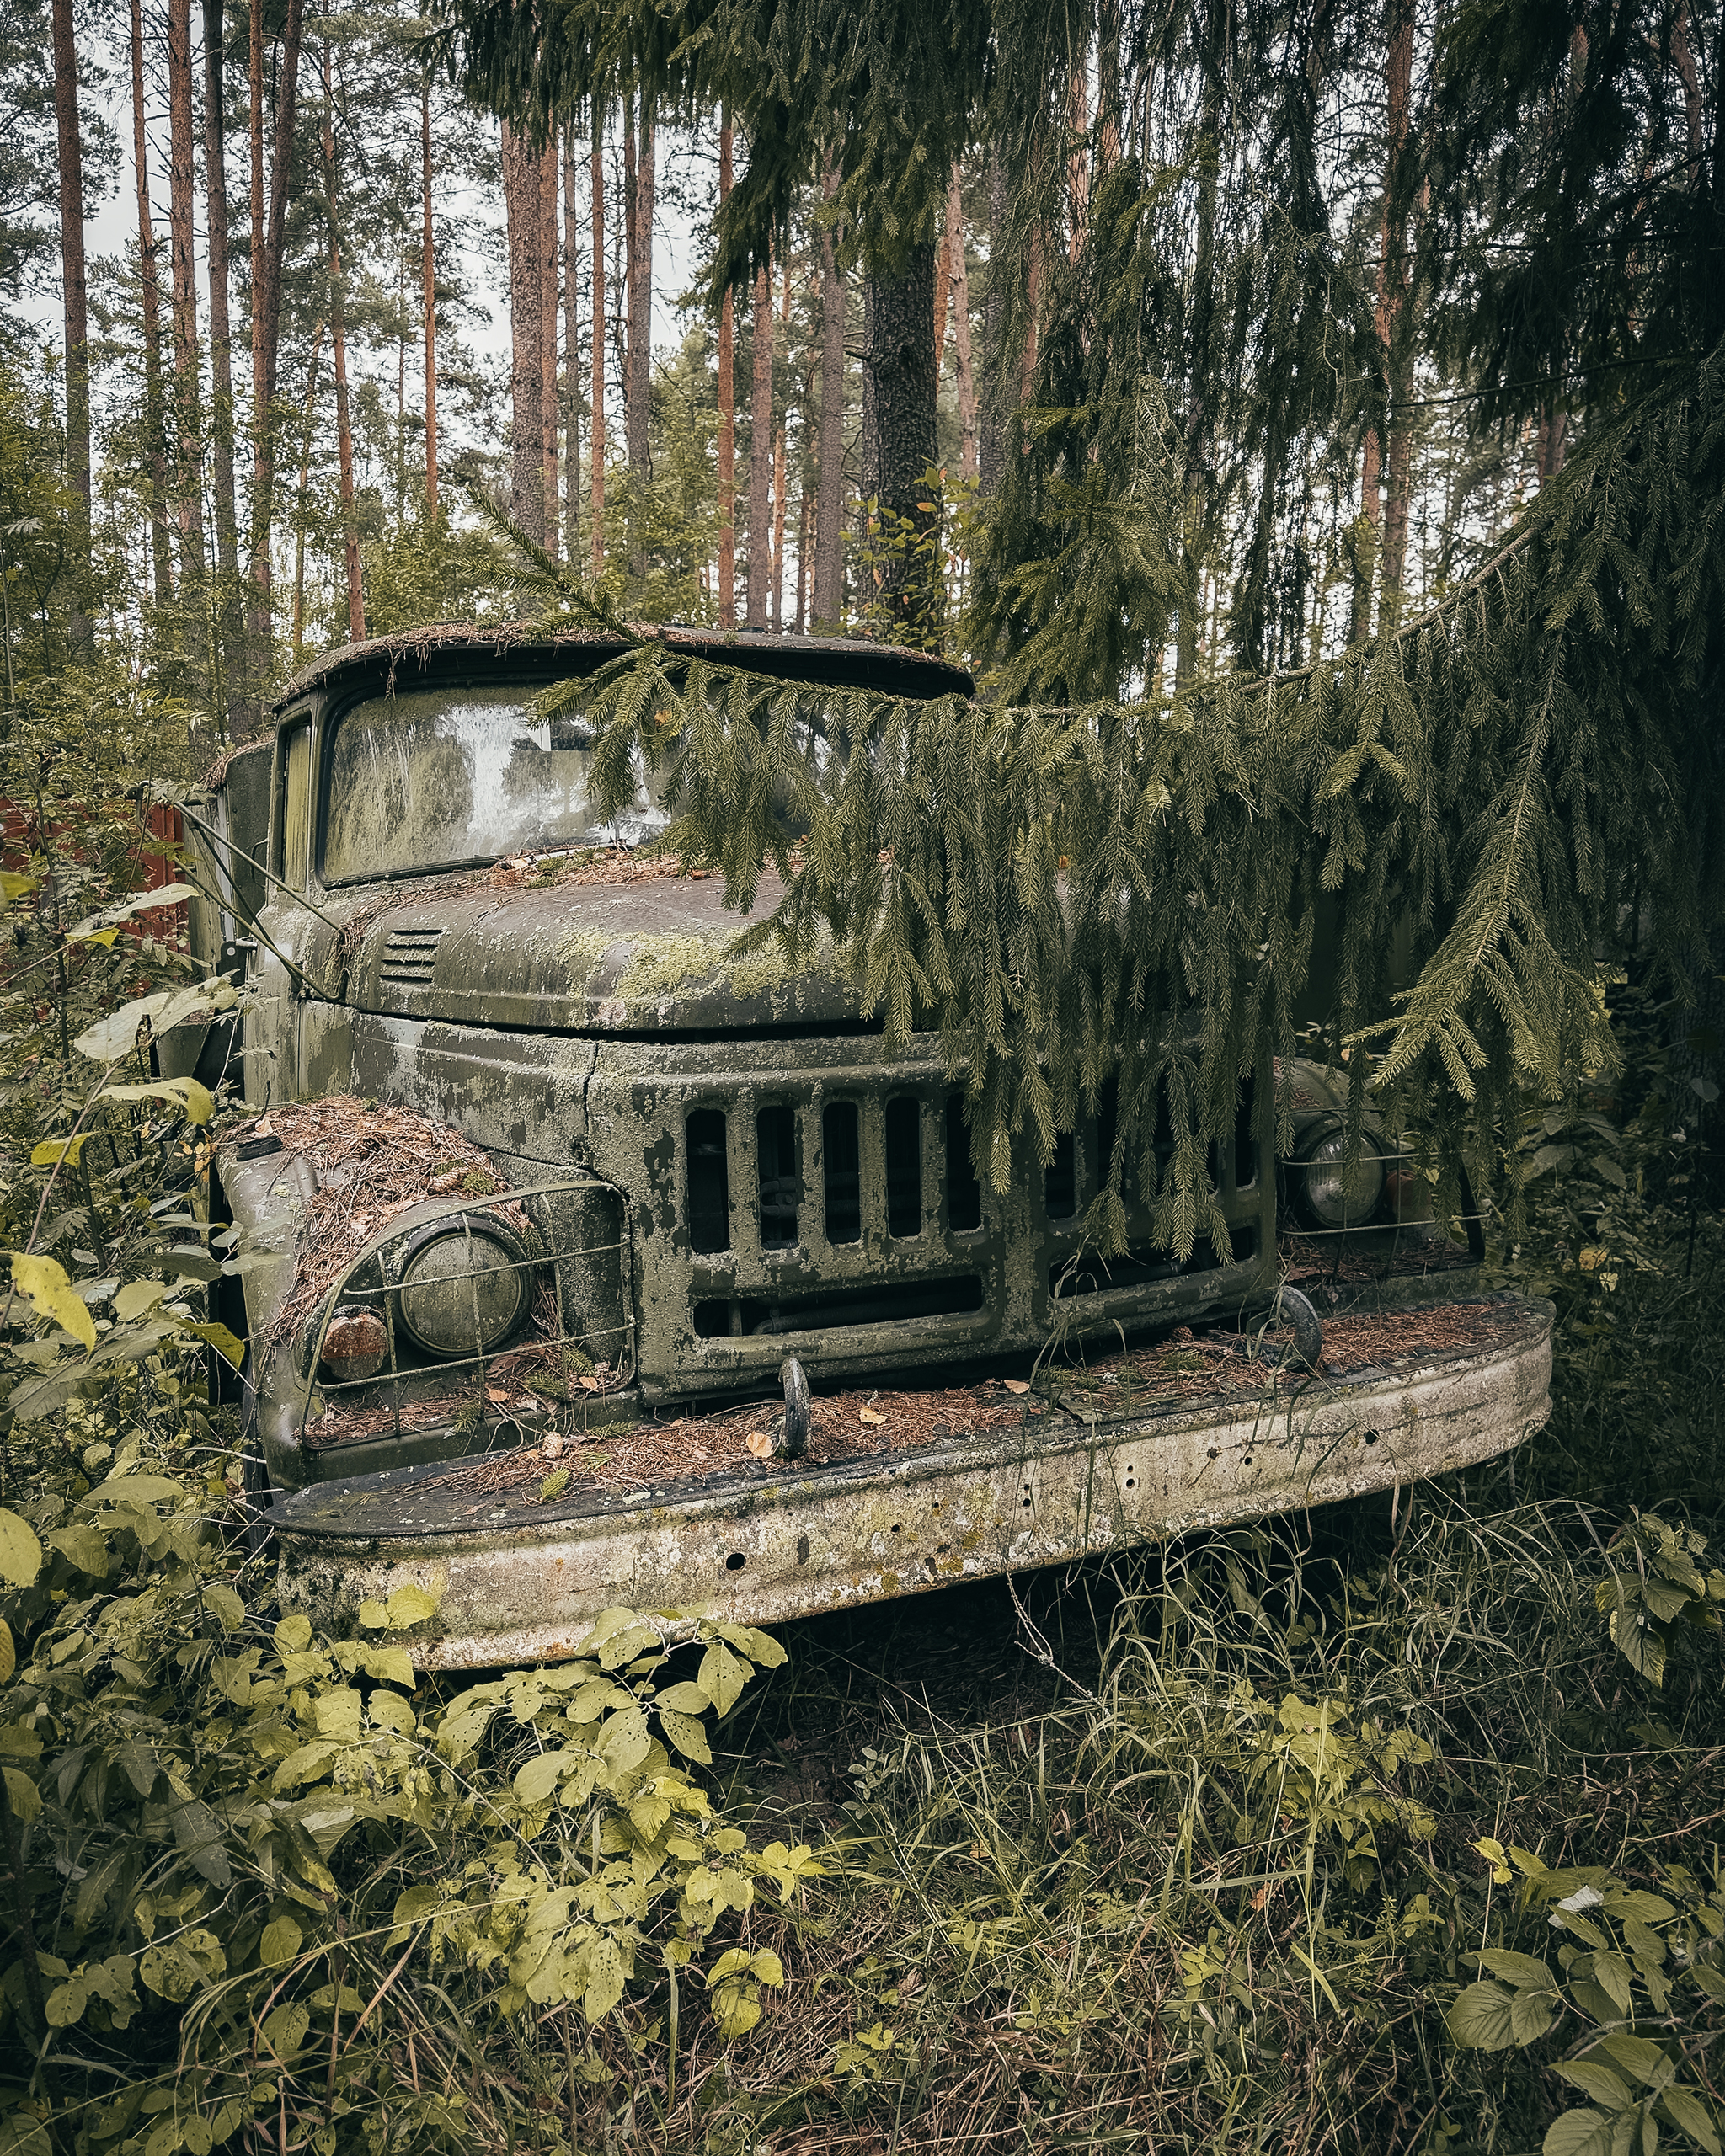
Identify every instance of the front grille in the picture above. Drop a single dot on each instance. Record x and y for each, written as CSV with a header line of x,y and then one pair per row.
x,y
781,1189
904,1166
407,956
841,1172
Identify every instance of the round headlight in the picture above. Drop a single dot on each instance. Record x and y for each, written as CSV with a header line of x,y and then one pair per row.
x,y
1337,1192
464,1288
356,1344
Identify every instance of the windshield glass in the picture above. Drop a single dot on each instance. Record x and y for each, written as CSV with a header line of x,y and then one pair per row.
x,y
440,778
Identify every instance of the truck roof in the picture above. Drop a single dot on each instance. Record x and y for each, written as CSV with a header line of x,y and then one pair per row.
x,y
846,662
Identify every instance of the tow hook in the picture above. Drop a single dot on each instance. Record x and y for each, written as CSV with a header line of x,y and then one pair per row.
x,y
796,1416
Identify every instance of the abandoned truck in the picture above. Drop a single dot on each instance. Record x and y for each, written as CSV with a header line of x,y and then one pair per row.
x,y
587,1263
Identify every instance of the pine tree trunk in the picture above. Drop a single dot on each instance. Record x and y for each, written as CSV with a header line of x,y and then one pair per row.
x,y
299,522
428,302
727,419
1199,476
803,551
760,449
829,597
992,443
233,653
1394,327
899,444
962,371
548,336
81,627
1109,111
778,473
943,294
596,424
188,398
571,359
1077,163
270,238
1365,535
337,351
161,553
638,402
520,204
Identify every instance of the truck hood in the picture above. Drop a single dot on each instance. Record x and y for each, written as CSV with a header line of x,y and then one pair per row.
x,y
650,955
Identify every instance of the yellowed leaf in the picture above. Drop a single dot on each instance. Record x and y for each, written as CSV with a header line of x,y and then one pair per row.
x,y
869,1415
1594,1256
491,1393
52,1151
1015,1384
760,1444
590,1384
45,1282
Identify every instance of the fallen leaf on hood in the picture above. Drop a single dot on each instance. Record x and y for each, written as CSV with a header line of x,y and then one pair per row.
x,y
869,1415
760,1443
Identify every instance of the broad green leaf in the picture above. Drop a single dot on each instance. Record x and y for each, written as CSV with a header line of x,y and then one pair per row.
x,y
1690,2114
8,1653
1579,2134
734,2012
281,1941
1610,1971
192,1099
83,1545
1479,2020
285,2029
138,1296
685,1699
604,1977
22,1796
409,1605
53,1151
685,1732
20,1553
115,1036
137,1761
43,1281
535,1781
1521,1969
337,1713
417,1902
721,1676
15,886
373,1614
199,1833
1532,2013
293,1634
226,1604
1596,2080
1634,2055
760,1647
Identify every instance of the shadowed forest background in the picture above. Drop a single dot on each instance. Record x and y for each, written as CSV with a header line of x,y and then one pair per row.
x,y
1306,420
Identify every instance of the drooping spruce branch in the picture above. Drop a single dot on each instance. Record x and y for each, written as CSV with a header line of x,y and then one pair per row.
x,y
1072,895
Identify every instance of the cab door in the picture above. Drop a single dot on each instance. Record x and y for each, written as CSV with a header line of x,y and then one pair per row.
x,y
272,1026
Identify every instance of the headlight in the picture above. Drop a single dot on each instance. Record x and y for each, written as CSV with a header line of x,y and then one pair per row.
x,y
464,1286
1335,1193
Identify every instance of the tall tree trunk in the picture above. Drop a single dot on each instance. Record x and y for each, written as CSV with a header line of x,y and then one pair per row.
x,y
188,399
778,473
428,286
1394,327
299,522
760,449
962,370
727,417
1077,160
1200,479
571,359
337,349
899,444
81,627
803,510
992,443
268,238
829,599
161,554
520,203
1108,84
233,654
547,335
596,423
638,403
943,294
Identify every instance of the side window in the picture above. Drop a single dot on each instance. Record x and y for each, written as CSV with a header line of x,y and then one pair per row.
x,y
295,831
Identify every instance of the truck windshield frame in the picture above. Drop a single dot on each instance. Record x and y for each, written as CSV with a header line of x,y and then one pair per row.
x,y
456,775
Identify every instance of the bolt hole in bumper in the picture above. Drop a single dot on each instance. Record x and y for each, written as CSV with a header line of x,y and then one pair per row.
x,y
519,1580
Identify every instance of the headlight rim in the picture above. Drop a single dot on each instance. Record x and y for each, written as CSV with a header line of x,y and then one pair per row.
x,y
1349,1217
411,1246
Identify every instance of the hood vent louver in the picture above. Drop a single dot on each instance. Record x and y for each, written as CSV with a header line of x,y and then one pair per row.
x,y
408,956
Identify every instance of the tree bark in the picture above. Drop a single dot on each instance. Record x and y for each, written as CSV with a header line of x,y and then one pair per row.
x,y
299,527
899,447
161,553
638,403
266,296
81,627
778,474
1392,325
520,203
596,424
547,335
829,596
337,349
727,418
187,399
942,295
962,370
991,445
571,359
233,653
428,288
760,449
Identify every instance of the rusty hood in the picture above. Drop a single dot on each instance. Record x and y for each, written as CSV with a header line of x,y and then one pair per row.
x,y
650,953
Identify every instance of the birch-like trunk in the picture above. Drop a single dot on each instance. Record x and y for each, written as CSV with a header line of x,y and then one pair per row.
x,y
338,350
828,594
571,358
228,611
428,295
760,450
520,204
155,438
81,627
727,418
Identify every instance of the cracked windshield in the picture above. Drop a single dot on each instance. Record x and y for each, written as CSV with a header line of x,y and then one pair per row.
x,y
436,780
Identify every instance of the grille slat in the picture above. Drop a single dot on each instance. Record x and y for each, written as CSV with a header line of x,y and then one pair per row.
x,y
409,955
